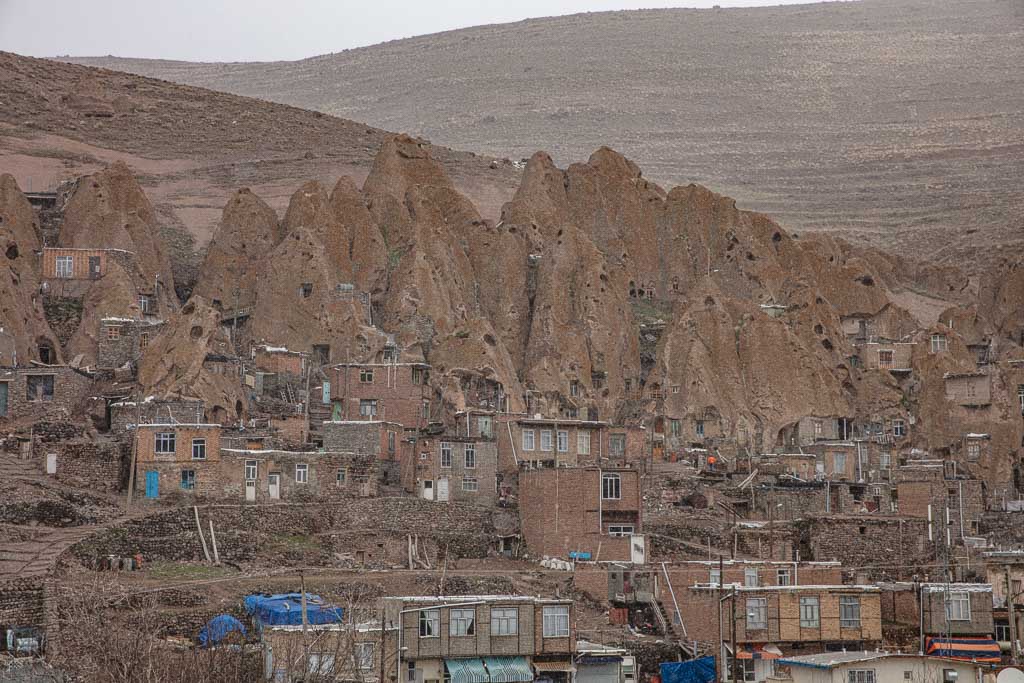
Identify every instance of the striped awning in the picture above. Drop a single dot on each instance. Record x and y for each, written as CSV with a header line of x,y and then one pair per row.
x,y
965,648
758,651
466,670
508,669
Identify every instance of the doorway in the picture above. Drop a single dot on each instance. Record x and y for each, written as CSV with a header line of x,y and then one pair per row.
x,y
274,481
152,484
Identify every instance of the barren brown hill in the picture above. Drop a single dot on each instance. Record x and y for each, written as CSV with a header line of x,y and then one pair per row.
x,y
898,122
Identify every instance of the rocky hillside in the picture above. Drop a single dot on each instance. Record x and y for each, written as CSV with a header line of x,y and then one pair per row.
x,y
893,123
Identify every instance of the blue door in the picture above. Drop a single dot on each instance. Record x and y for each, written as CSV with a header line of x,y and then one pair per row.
x,y
152,484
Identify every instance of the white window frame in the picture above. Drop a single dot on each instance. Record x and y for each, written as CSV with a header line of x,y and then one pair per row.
x,y
810,612
321,663
430,623
341,477
470,484
939,343
529,440
547,443
562,438
485,426
301,473
750,577
165,443
899,428
462,622
973,450
784,572
556,621
837,460
885,460
583,442
958,606
715,576
860,676
469,456
611,486
201,445
617,444
65,267
621,530
757,614
364,656
368,407
191,480
504,621
849,611
446,455
251,469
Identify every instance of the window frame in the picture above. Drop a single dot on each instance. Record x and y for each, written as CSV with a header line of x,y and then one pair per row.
x,y
562,440
470,484
164,440
849,602
469,456
113,332
304,469
748,573
366,375
201,444
961,600
341,476
251,467
861,676
616,444
939,343
555,621
532,440
583,442
714,576
504,621
547,442
430,623
188,480
368,407
64,267
446,455
611,483
810,611
757,614
899,428
783,571
364,655
462,622
620,530
485,426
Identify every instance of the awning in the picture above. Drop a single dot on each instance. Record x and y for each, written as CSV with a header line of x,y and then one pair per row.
x,y
758,651
508,669
964,648
466,670
541,667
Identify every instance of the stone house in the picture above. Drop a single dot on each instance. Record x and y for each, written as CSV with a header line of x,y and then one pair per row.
x,y
811,429
451,468
8,349
90,463
975,447
338,652
178,457
71,272
383,440
836,460
587,513
122,341
124,414
42,393
262,476
893,357
394,392
859,540
969,389
510,638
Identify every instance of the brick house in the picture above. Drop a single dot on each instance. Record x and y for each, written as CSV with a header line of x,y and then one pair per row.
x,y
122,341
810,429
451,468
70,273
590,513
787,619
960,609
42,393
262,476
381,439
937,483
836,460
395,392
511,638
178,457
550,442
338,652
1004,571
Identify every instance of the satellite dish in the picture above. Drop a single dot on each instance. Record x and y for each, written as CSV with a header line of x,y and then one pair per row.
x,y
1010,676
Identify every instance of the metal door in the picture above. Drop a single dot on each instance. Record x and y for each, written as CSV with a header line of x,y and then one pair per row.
x,y
638,549
94,267
442,489
51,463
275,486
3,399
250,491
152,484
428,490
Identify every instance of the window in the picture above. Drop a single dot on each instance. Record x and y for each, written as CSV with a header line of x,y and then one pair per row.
x,y
163,443
583,442
958,607
849,611
366,375
745,670
199,449
715,577
545,440
306,290
430,623
973,450
368,407
810,613
470,484
885,358
839,463
39,388
556,621
470,453
528,440
143,303
574,388
700,427
391,442
143,341
446,454
817,430
860,676
342,475
65,266
114,333
504,621
750,577
1020,397
1002,632
675,388
462,622
390,354
425,410
783,577
418,376
675,428
188,479
757,613
485,426
621,530
899,428
939,343
563,441
250,470
611,487
302,473
364,656
321,664
617,444
885,460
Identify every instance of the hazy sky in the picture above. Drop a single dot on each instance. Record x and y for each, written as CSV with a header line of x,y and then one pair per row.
x,y
245,30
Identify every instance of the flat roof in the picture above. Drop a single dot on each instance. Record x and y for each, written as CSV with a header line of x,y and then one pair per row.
x,y
165,425
830,660
808,587
444,599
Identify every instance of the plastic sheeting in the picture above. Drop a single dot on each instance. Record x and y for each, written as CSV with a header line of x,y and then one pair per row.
x,y
964,648
700,670
218,628
285,609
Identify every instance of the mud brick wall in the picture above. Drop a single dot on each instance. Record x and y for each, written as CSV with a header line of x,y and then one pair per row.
x,y
96,465
22,602
867,541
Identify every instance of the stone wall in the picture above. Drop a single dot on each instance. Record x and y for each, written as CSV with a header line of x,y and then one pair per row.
x,y
96,465
22,602
882,544
125,413
57,392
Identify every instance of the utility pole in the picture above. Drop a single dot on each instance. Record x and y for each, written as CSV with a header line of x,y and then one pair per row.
x,y
1010,614
735,655
305,624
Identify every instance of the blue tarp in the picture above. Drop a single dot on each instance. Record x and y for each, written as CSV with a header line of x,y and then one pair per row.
x,y
285,609
694,671
218,628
